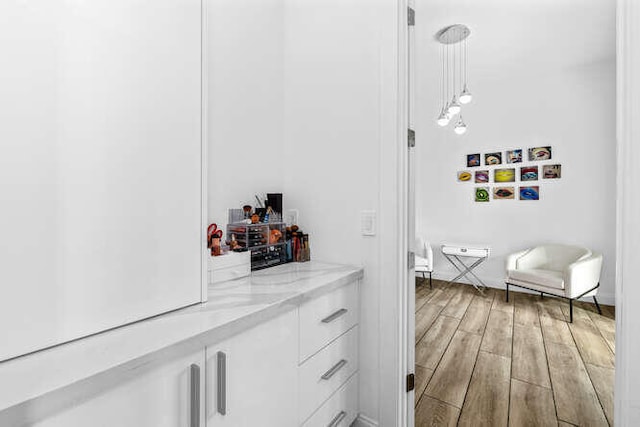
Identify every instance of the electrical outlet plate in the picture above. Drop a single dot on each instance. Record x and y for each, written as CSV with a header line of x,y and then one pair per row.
x,y
291,216
368,223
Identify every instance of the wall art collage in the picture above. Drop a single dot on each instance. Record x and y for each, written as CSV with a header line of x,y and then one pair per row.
x,y
505,171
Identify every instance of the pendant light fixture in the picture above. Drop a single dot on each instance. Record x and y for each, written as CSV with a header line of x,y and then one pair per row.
x,y
465,96
461,127
443,119
454,72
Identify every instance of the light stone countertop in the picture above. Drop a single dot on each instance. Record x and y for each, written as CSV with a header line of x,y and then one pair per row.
x,y
107,357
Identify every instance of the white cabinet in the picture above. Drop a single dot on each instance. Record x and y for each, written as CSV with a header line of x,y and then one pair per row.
x,y
327,375
252,377
166,396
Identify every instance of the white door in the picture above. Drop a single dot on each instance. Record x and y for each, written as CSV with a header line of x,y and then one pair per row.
x,y
100,166
168,396
252,377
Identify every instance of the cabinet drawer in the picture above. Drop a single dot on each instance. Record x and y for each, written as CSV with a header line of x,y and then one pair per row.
x,y
324,373
326,318
340,410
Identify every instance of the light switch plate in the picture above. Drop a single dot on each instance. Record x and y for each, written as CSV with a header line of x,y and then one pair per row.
x,y
368,223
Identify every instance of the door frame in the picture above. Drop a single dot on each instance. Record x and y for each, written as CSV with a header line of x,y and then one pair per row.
x,y
627,407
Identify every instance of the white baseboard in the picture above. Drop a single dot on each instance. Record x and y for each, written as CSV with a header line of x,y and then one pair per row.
x,y
606,299
363,421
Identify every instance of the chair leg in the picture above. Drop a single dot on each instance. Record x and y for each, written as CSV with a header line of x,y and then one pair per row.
x,y
570,311
430,284
597,305
507,292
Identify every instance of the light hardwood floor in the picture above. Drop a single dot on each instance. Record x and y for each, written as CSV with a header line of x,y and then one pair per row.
x,y
481,361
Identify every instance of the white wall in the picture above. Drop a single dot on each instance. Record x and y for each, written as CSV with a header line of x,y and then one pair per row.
x,y
307,90
245,102
333,153
568,105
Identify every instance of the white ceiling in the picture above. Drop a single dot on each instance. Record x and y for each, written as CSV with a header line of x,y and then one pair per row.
x,y
522,35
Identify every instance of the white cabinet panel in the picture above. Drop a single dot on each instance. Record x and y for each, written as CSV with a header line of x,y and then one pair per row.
x,y
325,372
326,318
157,398
340,410
260,372
100,165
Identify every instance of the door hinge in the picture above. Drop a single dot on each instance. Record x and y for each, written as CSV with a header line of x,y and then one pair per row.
x,y
411,380
411,136
411,17
411,260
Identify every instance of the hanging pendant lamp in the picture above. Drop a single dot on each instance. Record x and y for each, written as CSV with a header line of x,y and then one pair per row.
x,y
443,118
452,35
465,96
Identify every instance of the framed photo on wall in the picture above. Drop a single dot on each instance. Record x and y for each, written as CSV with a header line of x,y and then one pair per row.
x,y
551,171
491,159
539,153
529,173
514,156
473,160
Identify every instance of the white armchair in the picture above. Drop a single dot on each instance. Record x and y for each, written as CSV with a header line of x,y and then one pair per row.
x,y
564,271
424,258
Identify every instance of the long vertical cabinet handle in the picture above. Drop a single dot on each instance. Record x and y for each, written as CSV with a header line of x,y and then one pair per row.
x,y
194,397
337,419
222,383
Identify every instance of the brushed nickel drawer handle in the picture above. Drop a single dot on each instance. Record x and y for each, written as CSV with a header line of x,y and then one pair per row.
x,y
221,403
331,372
194,395
336,420
330,318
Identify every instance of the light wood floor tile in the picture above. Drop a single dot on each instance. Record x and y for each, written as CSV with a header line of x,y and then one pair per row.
x,y
550,307
529,358
499,302
451,378
556,331
603,380
487,400
563,424
475,319
592,346
526,311
423,375
607,328
441,296
433,413
576,400
424,318
499,333
434,343
531,405
458,304
423,294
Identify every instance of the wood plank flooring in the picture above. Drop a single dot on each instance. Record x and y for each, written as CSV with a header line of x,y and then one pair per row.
x,y
481,361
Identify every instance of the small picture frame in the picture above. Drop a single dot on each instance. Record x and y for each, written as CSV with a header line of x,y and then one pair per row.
x,y
503,193
491,159
473,160
482,194
530,193
464,176
482,177
529,173
504,175
514,156
552,171
539,153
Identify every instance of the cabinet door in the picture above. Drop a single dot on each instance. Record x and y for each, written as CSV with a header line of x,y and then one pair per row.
x,y
252,377
160,397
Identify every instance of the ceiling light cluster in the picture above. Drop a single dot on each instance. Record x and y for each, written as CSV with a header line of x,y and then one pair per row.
x,y
454,75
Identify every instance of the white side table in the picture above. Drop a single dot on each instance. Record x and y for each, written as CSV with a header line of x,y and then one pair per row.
x,y
477,254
